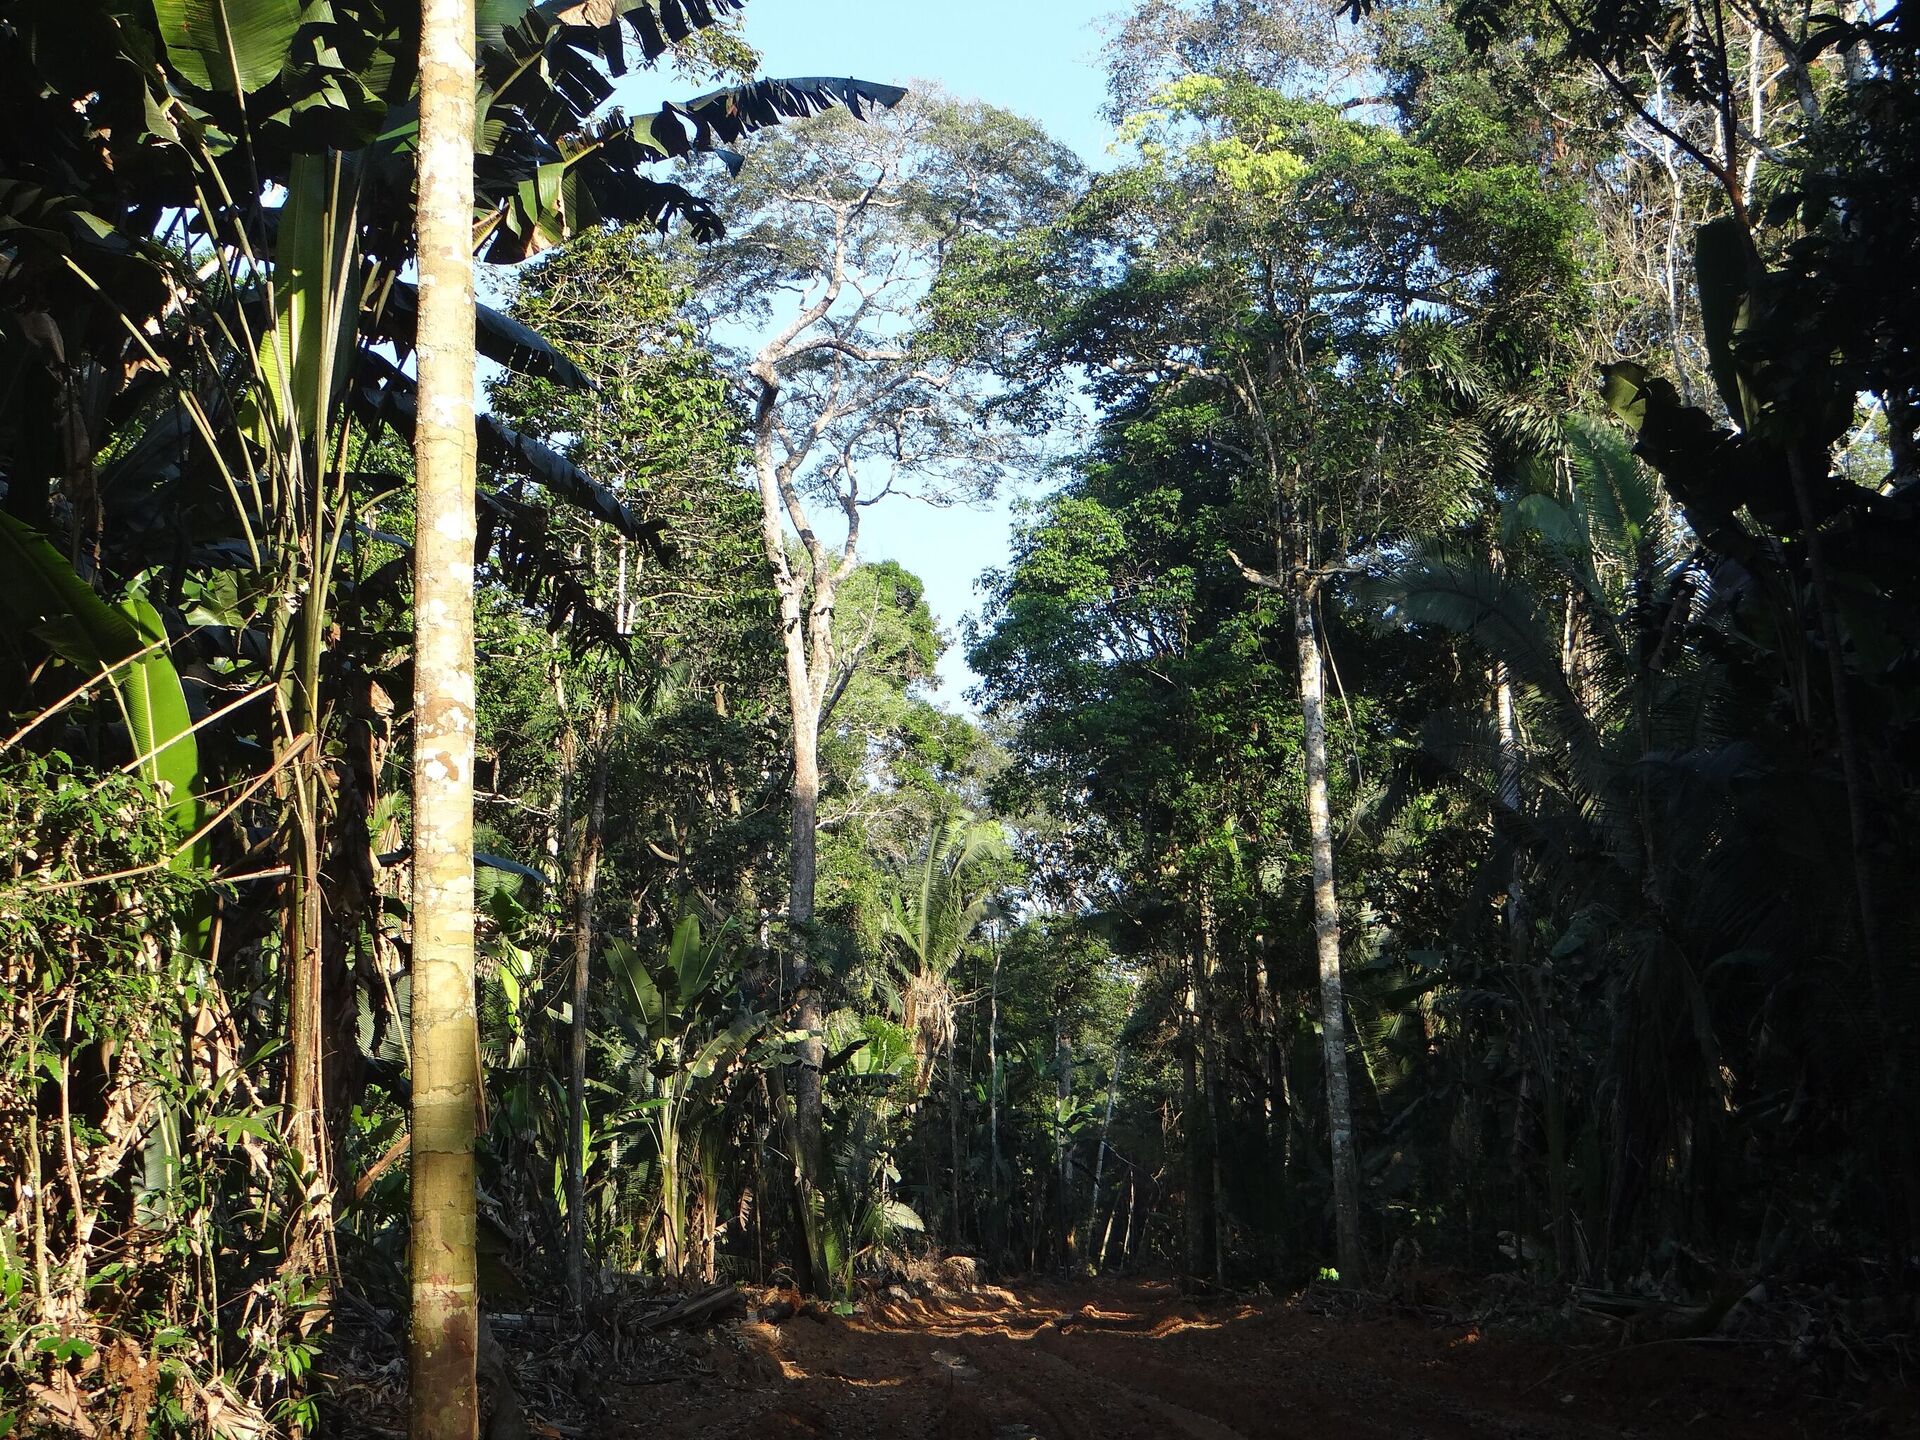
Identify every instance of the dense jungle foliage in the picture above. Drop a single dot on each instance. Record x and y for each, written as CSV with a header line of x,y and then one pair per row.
x,y
1441,783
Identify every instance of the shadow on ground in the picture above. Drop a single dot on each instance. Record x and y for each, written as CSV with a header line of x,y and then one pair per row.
x,y
1115,1361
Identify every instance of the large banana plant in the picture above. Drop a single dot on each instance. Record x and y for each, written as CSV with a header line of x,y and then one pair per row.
x,y
205,228
267,145
126,646
681,1042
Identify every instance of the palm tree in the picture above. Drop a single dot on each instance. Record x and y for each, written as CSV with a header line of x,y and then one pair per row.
x,y
930,918
1633,802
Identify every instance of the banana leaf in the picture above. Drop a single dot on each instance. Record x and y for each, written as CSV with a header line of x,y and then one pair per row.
x,y
626,963
40,592
497,336
233,47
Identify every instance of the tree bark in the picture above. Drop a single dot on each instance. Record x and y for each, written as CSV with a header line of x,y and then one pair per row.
x,y
954,1127
806,622
305,919
1199,1206
997,1239
807,591
809,1142
1100,1156
446,1079
1210,1084
1106,1233
305,902
1063,1100
1326,930
1507,776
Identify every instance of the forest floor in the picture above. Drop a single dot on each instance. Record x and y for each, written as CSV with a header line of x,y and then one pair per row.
x,y
1118,1360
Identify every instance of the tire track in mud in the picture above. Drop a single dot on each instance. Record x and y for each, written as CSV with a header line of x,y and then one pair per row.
x,y
1137,1361
1021,1371
1184,1421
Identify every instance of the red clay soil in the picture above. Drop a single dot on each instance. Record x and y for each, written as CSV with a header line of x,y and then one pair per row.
x,y
1114,1361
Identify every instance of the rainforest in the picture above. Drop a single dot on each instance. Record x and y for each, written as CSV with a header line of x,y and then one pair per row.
x,y
1182,718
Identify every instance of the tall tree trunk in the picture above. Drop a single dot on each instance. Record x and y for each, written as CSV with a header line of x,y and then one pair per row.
x,y
1199,1206
1100,1155
1210,1074
305,918
1063,1101
446,1071
1279,1068
809,1140
586,892
304,921
953,1126
1326,930
1106,1233
806,623
993,1066
1508,778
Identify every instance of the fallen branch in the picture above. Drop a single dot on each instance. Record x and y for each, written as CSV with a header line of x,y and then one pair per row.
x,y
386,1162
697,1309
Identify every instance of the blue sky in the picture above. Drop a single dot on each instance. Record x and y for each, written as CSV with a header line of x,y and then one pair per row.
x,y
1039,58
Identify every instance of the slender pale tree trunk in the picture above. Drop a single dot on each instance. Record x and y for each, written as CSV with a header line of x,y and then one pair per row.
x,y
1199,1207
586,899
806,616
809,1136
1212,1071
806,622
995,1238
1326,930
1100,1156
1507,776
306,1089
446,1070
954,1128
1063,1101
1106,1233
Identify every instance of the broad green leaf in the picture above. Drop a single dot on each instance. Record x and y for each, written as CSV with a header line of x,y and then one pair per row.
x,y
305,353
161,723
230,46
1623,386
695,964
1721,257
626,963
683,955
721,1048
503,875
901,1216
497,336
40,591
1547,518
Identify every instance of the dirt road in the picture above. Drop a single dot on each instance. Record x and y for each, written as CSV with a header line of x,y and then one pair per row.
x,y
1118,1361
